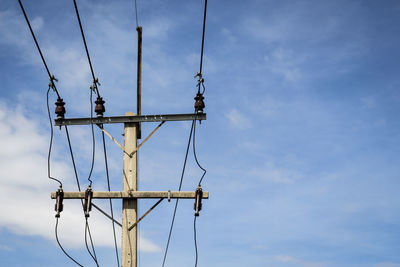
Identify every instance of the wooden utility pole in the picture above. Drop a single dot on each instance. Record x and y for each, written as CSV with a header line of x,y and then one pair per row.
x,y
129,206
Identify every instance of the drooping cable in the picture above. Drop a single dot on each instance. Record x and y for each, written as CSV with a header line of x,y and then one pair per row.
x,y
202,38
59,244
177,200
94,257
201,179
79,188
93,138
51,141
195,155
37,44
195,241
86,48
111,206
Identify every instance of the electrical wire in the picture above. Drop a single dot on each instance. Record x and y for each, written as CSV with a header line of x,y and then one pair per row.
x,y
79,188
93,138
202,38
201,179
94,257
109,189
177,200
59,244
195,155
37,44
195,240
51,141
86,48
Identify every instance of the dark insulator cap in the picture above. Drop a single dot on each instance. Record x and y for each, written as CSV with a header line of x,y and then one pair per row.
x,y
60,110
99,109
199,104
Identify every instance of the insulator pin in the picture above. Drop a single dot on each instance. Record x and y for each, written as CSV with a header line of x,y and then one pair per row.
x,y
60,109
197,202
87,206
199,104
59,202
99,108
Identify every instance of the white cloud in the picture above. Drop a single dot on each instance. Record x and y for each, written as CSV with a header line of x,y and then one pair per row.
x,y
269,172
238,120
25,189
299,262
387,264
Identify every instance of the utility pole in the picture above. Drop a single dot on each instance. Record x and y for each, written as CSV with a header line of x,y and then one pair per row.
x,y
130,194
129,206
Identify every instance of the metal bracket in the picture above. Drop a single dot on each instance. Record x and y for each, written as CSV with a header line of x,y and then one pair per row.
x,y
130,119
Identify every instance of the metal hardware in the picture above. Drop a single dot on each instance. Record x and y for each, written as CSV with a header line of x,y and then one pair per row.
x,y
60,109
130,119
169,195
99,108
197,202
87,206
59,202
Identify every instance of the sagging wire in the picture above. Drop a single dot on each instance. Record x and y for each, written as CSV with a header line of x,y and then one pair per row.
x,y
59,244
37,45
79,186
177,200
109,189
94,257
93,138
86,48
59,205
51,141
199,106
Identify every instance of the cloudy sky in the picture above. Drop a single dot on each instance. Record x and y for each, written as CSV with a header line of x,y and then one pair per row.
x,y
301,144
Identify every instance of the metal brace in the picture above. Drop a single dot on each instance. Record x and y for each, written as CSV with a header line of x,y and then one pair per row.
x,y
169,195
87,206
59,202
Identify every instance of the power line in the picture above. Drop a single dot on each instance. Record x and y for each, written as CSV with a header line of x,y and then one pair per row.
x,y
86,48
51,141
79,188
202,37
94,257
59,244
93,138
37,45
177,200
109,189
195,240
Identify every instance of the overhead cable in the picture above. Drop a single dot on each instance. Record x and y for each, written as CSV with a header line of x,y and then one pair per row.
x,y
59,244
86,48
177,200
202,37
109,189
37,44
51,142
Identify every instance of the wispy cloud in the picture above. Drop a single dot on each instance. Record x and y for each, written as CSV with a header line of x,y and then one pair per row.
x,y
238,120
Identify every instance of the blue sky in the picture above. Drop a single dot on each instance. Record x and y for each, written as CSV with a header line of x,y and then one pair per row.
x,y
301,143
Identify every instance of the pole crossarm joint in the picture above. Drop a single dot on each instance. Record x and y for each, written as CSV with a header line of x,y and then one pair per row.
x,y
130,119
132,194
